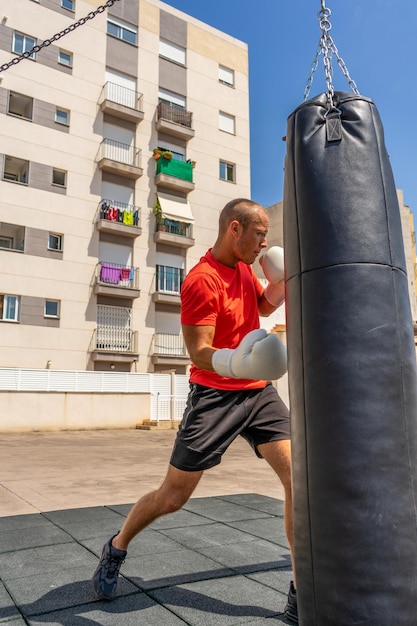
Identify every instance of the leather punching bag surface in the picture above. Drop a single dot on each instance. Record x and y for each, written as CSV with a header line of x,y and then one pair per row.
x,y
352,372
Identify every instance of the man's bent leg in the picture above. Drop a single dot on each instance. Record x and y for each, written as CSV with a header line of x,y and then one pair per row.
x,y
171,496
174,492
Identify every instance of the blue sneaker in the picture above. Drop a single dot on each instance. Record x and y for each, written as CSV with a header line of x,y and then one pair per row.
x,y
290,610
107,572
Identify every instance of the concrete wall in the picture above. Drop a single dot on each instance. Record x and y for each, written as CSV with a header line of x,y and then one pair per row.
x,y
53,411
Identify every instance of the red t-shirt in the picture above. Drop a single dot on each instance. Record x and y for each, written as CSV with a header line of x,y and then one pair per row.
x,y
227,298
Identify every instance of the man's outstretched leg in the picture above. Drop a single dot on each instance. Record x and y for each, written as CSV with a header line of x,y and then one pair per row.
x,y
174,492
278,455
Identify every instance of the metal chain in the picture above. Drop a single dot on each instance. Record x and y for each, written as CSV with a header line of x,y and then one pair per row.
x,y
327,48
326,51
64,32
313,69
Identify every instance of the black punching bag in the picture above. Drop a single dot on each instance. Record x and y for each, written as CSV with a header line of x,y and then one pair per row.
x,y
352,371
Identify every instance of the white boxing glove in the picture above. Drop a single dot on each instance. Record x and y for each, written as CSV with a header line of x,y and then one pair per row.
x,y
259,356
272,263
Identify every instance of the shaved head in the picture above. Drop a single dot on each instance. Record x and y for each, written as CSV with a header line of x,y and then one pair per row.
x,y
243,211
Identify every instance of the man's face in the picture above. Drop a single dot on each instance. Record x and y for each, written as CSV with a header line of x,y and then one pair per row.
x,y
252,241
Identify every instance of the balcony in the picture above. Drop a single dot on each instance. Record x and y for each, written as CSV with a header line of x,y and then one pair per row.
x,y
112,279
169,350
168,285
174,174
174,233
121,102
120,159
118,218
113,339
109,344
174,120
12,237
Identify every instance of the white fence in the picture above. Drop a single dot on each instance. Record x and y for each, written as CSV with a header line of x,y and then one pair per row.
x,y
168,392
73,381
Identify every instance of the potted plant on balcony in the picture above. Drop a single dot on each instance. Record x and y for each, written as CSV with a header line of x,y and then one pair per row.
x,y
157,211
167,154
157,153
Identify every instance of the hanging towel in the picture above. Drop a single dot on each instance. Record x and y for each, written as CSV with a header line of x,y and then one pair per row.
x,y
128,218
125,273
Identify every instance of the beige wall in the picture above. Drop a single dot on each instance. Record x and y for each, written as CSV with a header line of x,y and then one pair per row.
x,y
30,411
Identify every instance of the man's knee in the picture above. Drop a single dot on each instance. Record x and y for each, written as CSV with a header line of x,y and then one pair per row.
x,y
175,501
177,489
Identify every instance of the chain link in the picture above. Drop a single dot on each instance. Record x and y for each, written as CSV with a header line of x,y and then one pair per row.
x,y
57,36
327,48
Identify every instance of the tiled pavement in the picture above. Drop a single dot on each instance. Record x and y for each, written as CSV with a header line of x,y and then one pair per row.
x,y
219,561
222,560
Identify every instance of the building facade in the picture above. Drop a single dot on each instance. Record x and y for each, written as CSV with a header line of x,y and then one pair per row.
x,y
119,144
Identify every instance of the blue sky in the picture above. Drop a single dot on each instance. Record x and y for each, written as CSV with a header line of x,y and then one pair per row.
x,y
375,38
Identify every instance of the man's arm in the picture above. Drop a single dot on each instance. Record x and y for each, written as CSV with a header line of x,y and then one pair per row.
x,y
199,342
259,356
272,263
265,308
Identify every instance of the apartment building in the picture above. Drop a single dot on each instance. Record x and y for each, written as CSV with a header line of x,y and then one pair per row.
x,y
120,142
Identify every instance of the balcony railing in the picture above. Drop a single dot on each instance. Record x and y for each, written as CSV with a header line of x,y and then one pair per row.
x,y
113,332
121,95
119,212
173,113
167,344
175,167
115,275
115,340
169,279
175,227
119,152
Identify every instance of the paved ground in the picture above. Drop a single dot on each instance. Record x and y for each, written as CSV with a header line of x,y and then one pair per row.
x,y
223,560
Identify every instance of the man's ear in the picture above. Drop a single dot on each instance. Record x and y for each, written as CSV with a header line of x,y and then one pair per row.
x,y
235,228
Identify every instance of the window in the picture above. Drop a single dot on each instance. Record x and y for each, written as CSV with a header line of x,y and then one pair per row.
x,y
62,116
12,236
169,279
6,242
51,308
226,76
227,171
68,4
178,153
54,241
227,123
16,170
65,58
171,98
171,51
20,105
121,88
121,30
59,177
9,308
22,43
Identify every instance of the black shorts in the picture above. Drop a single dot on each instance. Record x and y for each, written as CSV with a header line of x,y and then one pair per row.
x,y
213,418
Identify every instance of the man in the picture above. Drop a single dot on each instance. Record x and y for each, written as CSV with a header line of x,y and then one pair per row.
x,y
233,361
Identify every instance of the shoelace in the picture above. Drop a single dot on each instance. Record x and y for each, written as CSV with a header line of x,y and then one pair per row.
x,y
113,564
